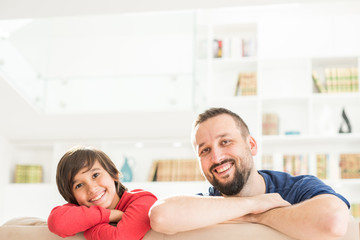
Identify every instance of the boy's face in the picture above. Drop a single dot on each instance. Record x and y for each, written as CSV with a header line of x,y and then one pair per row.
x,y
95,187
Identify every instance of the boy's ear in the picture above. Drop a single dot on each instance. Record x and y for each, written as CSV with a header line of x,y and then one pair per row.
x,y
117,178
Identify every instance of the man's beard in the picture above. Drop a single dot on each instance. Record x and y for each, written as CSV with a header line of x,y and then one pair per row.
x,y
236,185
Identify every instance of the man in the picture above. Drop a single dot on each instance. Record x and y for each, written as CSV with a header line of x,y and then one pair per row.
x,y
301,207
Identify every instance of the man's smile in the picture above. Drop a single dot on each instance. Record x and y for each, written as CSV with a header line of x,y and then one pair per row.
x,y
223,168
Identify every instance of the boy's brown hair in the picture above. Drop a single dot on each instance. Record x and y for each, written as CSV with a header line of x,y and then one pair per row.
x,y
83,157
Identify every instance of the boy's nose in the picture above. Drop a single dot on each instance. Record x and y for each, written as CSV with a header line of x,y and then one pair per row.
x,y
92,188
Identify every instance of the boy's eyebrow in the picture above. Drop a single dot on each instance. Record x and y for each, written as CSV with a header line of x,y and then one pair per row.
x,y
91,170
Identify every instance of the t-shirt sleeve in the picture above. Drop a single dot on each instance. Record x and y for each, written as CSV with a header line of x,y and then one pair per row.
x,y
212,192
133,225
311,186
69,219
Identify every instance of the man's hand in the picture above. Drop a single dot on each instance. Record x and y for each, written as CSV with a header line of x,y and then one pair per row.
x,y
262,203
265,202
322,217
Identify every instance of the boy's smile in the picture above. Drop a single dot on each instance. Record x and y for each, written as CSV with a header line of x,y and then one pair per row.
x,y
95,186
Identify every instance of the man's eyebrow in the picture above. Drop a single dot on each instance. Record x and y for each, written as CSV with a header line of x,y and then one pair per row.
x,y
217,137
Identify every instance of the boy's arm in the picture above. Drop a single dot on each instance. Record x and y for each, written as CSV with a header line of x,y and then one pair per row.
x,y
183,213
134,222
322,217
69,219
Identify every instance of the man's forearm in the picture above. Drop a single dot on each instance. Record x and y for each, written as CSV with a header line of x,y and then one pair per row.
x,y
323,217
183,213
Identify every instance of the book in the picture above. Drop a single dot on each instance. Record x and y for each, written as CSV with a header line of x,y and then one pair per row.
x,y
267,162
296,164
175,170
355,210
270,124
328,79
322,165
28,174
337,80
249,47
319,87
153,171
164,170
350,165
217,48
354,80
246,84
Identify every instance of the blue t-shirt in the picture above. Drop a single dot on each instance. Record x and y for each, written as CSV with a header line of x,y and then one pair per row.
x,y
293,189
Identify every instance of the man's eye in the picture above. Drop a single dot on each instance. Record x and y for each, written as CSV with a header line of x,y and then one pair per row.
x,y
205,150
224,142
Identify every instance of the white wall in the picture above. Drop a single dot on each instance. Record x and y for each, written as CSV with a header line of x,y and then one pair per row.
x,y
20,122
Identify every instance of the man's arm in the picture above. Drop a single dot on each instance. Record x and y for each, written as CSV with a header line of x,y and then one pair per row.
x,y
322,217
183,213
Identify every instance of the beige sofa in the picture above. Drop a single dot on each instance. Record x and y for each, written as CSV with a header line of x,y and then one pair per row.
x,y
36,229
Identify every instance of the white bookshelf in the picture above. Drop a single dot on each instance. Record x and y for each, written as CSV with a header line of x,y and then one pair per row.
x,y
287,53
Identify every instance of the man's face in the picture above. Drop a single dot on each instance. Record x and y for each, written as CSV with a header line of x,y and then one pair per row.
x,y
225,157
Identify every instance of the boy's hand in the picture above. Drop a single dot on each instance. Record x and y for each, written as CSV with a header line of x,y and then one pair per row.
x,y
115,215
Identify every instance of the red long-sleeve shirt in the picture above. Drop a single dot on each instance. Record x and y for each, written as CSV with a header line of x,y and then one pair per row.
x,y
69,219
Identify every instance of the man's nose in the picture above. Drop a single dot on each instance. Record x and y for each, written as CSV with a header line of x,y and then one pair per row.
x,y
217,155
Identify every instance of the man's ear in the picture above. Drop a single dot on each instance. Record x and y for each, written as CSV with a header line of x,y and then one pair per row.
x,y
252,145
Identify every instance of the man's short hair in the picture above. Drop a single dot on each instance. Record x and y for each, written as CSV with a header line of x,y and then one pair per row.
x,y
214,112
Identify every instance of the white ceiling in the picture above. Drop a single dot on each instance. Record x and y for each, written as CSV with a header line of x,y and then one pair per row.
x,y
20,121
56,8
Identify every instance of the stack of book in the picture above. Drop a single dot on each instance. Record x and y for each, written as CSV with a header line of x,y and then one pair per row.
x,y
296,164
28,174
337,80
233,47
270,124
267,162
175,170
246,84
355,210
322,165
350,165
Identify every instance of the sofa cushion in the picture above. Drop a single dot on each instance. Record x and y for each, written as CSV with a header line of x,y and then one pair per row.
x,y
36,229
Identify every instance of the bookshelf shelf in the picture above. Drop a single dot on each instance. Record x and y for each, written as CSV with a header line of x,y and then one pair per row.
x,y
310,139
141,153
235,60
